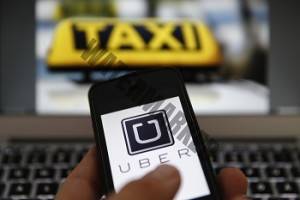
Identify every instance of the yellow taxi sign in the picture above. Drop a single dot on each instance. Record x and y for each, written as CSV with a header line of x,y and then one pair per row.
x,y
138,44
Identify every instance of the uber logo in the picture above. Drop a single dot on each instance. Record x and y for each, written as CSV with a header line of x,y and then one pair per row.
x,y
147,132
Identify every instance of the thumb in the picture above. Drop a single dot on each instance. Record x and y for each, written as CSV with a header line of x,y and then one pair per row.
x,y
160,184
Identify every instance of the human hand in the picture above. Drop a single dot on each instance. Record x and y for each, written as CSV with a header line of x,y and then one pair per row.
x,y
160,184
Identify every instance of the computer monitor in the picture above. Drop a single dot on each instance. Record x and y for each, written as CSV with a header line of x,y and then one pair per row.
x,y
284,60
28,87
17,57
239,28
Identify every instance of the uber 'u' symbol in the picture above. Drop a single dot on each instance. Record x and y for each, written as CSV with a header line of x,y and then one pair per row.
x,y
147,132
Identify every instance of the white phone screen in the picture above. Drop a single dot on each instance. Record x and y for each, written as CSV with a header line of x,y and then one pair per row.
x,y
140,138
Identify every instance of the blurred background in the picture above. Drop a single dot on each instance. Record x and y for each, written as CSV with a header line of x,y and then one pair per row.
x,y
237,85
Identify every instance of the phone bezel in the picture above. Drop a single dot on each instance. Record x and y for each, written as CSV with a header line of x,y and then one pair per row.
x,y
96,97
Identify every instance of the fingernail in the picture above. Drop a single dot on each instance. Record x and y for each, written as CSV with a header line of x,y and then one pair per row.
x,y
166,174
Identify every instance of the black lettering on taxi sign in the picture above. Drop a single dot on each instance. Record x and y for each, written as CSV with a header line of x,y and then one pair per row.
x,y
150,36
142,43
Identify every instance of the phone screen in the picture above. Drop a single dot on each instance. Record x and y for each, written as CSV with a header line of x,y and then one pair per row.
x,y
140,138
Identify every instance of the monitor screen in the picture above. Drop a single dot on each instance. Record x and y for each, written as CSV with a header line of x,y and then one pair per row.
x,y
221,47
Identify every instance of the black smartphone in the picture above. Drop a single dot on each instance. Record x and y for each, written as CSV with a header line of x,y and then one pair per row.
x,y
143,120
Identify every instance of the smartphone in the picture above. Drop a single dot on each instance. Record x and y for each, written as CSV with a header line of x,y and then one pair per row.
x,y
143,120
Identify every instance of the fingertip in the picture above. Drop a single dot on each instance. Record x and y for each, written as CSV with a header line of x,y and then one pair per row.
x,y
163,172
166,175
233,183
162,183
